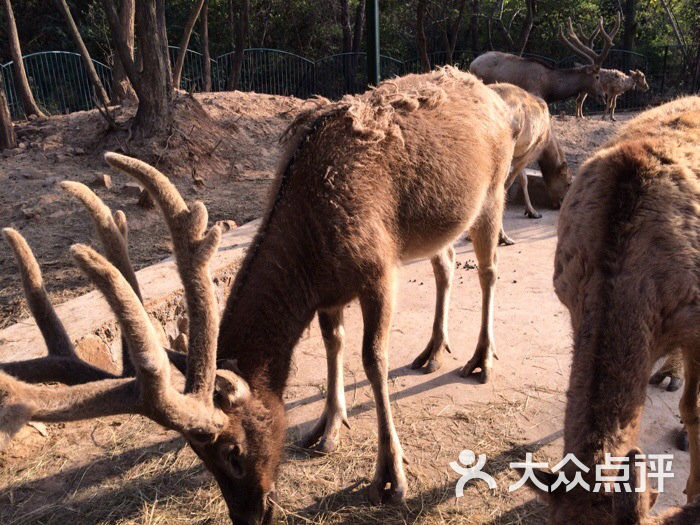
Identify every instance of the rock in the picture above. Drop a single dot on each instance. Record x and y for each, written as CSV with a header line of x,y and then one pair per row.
x,y
183,324
78,151
145,200
226,225
95,351
180,344
131,189
160,331
12,152
102,181
30,212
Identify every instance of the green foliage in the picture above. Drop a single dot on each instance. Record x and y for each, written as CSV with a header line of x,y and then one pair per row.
x,y
312,28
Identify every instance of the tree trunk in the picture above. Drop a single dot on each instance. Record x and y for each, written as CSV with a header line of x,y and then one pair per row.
x,y
206,66
420,36
121,87
359,26
474,27
84,54
8,139
185,42
153,82
629,11
453,31
240,32
527,26
21,82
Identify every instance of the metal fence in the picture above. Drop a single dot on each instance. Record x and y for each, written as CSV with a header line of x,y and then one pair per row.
x,y
60,83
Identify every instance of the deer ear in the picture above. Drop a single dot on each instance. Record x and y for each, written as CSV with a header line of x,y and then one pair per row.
x,y
230,389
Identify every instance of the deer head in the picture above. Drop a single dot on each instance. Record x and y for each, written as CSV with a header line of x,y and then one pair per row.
x,y
234,426
640,81
585,51
580,505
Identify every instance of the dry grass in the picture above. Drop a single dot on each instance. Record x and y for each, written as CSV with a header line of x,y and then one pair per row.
x,y
128,470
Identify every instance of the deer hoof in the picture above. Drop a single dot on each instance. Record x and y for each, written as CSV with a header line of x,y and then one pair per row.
x,y
432,366
388,488
477,362
324,438
504,240
682,442
431,357
531,215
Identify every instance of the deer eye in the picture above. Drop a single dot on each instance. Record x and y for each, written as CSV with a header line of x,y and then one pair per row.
x,y
234,460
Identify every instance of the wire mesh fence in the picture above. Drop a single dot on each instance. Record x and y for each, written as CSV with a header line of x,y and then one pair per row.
x,y
60,83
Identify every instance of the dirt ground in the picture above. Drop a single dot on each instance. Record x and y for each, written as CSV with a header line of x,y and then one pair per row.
x,y
129,470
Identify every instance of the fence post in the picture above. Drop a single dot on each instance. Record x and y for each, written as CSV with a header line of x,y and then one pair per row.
x,y
373,72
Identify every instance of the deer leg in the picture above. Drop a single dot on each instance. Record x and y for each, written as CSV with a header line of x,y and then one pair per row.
x,y
485,237
530,210
516,169
613,105
690,414
443,268
389,483
579,104
326,433
673,369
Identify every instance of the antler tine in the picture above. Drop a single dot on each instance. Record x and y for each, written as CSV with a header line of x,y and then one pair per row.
x,y
608,38
113,231
588,40
159,399
193,249
54,333
573,43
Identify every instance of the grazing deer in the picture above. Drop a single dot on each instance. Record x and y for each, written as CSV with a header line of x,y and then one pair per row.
x,y
627,266
543,80
534,139
369,181
614,84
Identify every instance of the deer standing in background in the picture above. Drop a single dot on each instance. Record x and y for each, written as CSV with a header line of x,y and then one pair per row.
x,y
543,80
627,266
368,182
614,83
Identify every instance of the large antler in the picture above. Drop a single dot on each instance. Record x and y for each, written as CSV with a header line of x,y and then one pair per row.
x,y
151,393
585,51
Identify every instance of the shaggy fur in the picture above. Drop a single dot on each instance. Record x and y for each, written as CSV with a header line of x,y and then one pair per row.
x,y
627,267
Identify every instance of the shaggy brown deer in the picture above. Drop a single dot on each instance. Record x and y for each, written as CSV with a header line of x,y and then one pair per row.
x,y
627,267
614,84
369,181
543,80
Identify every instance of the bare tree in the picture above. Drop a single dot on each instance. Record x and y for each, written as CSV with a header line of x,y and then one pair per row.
x,y
8,139
528,24
352,37
206,66
450,27
677,31
84,53
185,42
21,82
239,16
420,35
474,26
152,82
121,87
531,18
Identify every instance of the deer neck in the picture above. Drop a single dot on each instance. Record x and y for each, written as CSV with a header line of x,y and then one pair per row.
x,y
566,83
271,302
610,371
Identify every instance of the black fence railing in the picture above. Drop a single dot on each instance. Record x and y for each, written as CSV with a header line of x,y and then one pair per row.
x,y
60,83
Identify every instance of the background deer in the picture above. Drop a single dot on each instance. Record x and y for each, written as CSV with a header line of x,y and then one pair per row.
x,y
614,84
368,182
543,80
627,268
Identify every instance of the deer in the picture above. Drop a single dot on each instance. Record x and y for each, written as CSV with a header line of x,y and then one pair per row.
x,y
614,83
535,140
627,269
543,80
367,183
